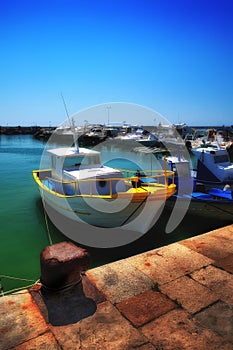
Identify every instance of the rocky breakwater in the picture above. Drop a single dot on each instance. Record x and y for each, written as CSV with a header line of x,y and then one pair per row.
x,y
40,132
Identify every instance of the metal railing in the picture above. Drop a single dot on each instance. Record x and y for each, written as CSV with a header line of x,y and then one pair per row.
x,y
75,188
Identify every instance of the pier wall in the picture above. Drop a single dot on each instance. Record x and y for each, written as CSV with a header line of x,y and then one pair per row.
x,y
179,296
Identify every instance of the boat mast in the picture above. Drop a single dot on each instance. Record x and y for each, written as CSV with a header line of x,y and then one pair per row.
x,y
72,126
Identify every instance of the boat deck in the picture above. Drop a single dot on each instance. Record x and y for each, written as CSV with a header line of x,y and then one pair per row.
x,y
159,183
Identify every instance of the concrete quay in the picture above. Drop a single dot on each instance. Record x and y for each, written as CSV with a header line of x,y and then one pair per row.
x,y
176,297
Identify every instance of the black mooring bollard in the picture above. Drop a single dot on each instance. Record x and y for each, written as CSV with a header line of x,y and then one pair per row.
x,y
62,298
61,265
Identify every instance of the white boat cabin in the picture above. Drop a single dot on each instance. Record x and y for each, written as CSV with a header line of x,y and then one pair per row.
x,y
85,166
69,160
213,164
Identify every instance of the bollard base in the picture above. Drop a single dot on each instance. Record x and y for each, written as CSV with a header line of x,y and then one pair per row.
x,y
61,265
61,295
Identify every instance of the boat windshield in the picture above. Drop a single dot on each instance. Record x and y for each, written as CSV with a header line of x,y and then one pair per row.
x,y
71,162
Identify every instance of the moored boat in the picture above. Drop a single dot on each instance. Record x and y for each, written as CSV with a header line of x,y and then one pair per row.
x,y
79,187
144,138
213,165
214,204
198,197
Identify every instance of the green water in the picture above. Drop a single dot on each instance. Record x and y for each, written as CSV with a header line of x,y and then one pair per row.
x,y
23,232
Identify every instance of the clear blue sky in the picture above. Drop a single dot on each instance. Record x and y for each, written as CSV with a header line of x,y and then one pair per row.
x,y
172,56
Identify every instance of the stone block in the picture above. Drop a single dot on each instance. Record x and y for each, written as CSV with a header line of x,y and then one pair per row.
x,y
219,318
119,280
215,245
225,263
91,291
168,263
191,295
21,320
43,342
107,329
69,305
217,280
144,307
178,330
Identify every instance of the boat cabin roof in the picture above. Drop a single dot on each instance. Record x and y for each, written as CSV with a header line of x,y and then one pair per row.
x,y
211,150
214,155
71,152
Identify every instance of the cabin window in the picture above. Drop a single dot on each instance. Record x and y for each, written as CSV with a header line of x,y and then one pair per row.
x,y
72,162
221,158
91,160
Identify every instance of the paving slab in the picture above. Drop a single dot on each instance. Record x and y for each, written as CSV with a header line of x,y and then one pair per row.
x,y
219,318
216,244
70,305
46,341
119,280
177,330
107,329
21,320
91,291
168,263
217,280
191,295
144,307
66,306
225,232
147,346
225,263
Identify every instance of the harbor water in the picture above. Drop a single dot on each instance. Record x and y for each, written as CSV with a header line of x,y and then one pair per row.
x,y
24,232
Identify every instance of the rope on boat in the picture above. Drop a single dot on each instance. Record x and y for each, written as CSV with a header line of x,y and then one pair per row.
x,y
2,293
135,209
1,289
46,220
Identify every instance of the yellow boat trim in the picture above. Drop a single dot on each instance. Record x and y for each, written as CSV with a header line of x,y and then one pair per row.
x,y
56,194
155,191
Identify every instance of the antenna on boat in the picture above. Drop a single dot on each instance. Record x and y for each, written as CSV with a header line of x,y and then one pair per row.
x,y
72,126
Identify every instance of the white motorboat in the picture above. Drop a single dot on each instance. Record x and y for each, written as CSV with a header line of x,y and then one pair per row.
x,y
213,165
197,198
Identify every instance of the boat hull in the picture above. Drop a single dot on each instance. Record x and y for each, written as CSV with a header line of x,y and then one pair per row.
x,y
202,207
128,215
134,210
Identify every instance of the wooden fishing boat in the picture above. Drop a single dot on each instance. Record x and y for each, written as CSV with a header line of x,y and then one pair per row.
x,y
79,187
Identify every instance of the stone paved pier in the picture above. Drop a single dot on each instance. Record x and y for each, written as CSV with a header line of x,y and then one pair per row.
x,y
176,297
